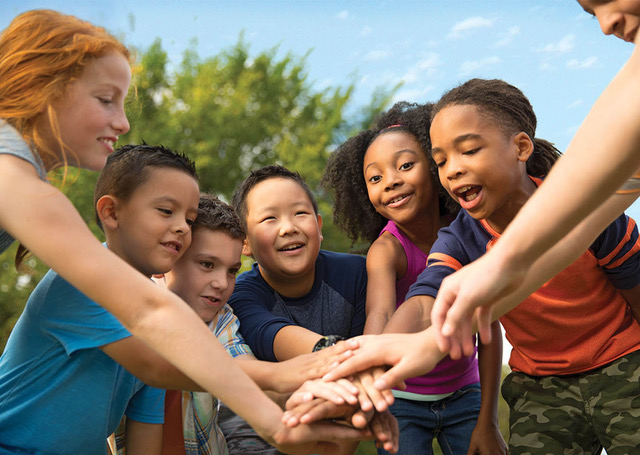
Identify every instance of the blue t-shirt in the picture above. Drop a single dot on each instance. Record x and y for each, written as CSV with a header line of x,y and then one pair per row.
x,y
334,306
59,392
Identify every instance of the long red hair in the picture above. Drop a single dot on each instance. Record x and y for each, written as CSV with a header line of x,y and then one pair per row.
x,y
41,53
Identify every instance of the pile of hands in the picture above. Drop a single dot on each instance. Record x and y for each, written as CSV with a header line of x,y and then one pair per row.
x,y
352,400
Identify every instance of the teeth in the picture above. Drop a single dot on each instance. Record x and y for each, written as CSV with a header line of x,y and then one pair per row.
x,y
399,198
471,198
463,189
291,247
107,141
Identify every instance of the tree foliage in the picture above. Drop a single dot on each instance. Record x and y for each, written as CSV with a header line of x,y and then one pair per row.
x,y
230,113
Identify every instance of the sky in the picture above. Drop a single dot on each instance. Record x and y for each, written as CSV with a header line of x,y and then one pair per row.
x,y
551,49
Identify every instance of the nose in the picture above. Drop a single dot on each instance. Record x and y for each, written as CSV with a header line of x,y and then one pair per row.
x,y
611,22
287,226
120,122
453,168
219,280
392,180
181,226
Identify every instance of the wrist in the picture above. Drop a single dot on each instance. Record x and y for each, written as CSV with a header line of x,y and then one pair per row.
x,y
326,341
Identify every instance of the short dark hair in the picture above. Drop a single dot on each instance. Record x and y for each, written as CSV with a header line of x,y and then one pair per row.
x,y
127,168
239,198
215,215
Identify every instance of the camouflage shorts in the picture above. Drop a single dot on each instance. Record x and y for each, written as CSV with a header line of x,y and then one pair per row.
x,y
576,414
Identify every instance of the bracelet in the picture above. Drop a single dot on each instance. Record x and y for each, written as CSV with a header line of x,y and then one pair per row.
x,y
326,341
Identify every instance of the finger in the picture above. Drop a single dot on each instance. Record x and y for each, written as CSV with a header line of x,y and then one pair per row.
x,y
394,377
375,395
483,316
360,418
352,365
291,417
468,338
297,398
387,394
363,397
325,410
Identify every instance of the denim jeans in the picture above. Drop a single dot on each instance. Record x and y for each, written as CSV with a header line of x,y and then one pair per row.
x,y
450,420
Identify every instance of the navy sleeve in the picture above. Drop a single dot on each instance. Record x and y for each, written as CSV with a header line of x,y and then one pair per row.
x,y
447,255
359,315
618,252
252,302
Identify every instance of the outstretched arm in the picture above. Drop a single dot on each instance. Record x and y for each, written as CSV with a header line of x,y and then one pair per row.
x,y
602,155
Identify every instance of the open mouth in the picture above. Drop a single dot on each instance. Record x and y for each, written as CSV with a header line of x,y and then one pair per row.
x,y
213,300
468,193
172,246
292,247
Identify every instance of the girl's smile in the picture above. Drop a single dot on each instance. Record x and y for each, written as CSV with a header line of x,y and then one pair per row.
x,y
398,179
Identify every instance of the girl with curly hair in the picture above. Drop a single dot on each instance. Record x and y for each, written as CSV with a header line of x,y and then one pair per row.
x,y
387,194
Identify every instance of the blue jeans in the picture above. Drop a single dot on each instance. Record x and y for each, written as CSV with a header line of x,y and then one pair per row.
x,y
450,420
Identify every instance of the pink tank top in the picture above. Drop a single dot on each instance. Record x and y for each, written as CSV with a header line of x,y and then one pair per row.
x,y
449,375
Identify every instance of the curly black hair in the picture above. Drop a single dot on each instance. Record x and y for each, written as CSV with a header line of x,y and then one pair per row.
x,y
344,174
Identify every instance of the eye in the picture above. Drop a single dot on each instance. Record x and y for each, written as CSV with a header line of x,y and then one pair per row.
x,y
166,211
267,218
190,221
105,100
375,179
234,271
206,265
471,152
406,166
302,212
440,163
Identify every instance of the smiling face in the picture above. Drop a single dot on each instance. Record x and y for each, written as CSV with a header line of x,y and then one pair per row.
x,y
205,275
398,178
283,232
152,229
481,167
91,114
620,18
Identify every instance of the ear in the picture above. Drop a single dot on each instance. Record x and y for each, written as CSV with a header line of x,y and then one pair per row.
x,y
524,146
246,248
107,209
319,220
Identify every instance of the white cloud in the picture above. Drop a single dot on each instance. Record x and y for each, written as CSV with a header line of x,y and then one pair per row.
x,y
577,103
342,15
366,31
566,44
508,37
589,62
414,95
423,68
463,27
471,66
376,55
544,66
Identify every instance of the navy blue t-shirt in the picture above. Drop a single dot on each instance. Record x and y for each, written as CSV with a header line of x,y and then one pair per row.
x,y
334,306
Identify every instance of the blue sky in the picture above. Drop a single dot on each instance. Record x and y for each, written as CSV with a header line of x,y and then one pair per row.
x,y
550,49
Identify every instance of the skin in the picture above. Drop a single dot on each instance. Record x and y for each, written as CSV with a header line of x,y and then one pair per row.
x,y
43,219
395,166
508,263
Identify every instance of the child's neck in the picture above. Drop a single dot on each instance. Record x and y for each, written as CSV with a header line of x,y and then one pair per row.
x,y
423,231
501,218
113,246
291,287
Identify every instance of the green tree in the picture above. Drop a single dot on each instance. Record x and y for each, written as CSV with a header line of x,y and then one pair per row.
x,y
231,113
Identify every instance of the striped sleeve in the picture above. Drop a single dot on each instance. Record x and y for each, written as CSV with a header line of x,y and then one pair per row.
x,y
617,250
447,256
226,328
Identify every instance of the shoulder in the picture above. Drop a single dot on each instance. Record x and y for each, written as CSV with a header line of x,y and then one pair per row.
x,y
340,259
386,249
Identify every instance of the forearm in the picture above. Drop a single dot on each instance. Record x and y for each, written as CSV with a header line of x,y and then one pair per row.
x,y
376,322
566,252
414,315
601,156
490,368
292,341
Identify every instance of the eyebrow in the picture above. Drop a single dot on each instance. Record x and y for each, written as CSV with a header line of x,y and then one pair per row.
x,y
458,140
395,154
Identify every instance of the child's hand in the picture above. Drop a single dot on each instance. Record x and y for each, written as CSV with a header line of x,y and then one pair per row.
x,y
318,438
295,371
487,440
384,427
471,290
410,354
370,397
339,392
